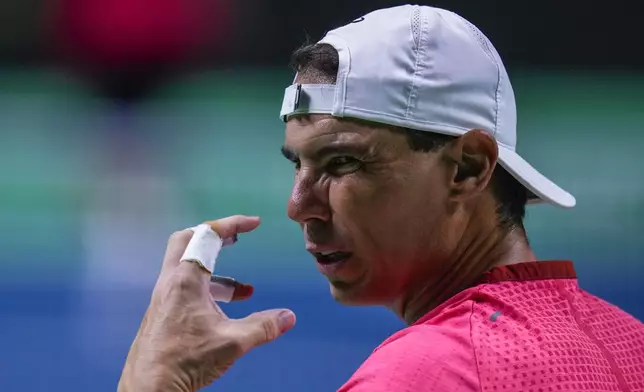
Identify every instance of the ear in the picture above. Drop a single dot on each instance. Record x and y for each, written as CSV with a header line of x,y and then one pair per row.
x,y
473,157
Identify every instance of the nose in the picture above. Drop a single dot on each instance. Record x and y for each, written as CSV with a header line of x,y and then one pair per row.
x,y
309,198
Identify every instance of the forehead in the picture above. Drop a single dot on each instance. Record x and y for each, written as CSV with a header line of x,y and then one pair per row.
x,y
305,132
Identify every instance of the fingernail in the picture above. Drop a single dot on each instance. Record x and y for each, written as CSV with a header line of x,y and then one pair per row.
x,y
286,320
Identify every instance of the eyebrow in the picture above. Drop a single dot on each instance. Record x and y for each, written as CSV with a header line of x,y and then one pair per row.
x,y
337,148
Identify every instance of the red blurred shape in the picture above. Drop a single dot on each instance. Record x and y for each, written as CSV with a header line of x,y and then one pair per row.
x,y
122,32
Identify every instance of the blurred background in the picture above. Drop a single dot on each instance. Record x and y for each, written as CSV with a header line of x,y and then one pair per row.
x,y
124,120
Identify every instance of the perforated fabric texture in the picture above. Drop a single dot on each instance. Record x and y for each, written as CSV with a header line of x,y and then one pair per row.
x,y
552,336
415,26
532,334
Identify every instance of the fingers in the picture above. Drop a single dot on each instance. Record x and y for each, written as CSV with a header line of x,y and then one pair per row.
x,y
203,249
243,292
177,244
232,225
262,327
226,289
226,228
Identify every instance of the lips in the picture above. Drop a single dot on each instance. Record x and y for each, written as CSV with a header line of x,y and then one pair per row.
x,y
329,262
331,257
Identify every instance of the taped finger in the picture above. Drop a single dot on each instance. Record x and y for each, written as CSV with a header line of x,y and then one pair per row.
x,y
204,247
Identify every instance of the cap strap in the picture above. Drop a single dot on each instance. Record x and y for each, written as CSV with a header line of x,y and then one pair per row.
x,y
307,99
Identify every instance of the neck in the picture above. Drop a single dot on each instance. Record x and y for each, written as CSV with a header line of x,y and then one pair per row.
x,y
464,268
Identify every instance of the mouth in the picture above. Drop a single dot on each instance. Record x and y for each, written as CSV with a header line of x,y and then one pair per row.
x,y
329,262
331,257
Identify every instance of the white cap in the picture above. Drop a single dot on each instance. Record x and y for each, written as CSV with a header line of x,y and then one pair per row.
x,y
427,69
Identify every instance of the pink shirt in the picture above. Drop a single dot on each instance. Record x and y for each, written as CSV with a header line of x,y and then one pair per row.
x,y
524,328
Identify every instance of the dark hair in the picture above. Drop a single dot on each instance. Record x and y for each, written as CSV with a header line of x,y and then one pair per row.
x,y
320,62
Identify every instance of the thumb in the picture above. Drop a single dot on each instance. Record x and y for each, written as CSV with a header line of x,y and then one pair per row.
x,y
264,327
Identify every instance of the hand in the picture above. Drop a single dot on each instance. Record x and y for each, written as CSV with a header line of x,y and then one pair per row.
x,y
185,341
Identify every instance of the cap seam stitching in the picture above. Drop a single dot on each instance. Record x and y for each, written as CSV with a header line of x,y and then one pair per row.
x,y
414,87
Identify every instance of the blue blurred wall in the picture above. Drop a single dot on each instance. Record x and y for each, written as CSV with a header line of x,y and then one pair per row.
x,y
89,192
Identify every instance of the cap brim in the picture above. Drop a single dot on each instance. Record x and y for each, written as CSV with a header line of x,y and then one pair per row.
x,y
546,190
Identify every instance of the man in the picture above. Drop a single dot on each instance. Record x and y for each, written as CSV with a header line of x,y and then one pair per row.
x,y
402,129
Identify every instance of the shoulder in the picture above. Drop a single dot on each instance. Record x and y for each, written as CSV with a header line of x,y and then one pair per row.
x,y
422,358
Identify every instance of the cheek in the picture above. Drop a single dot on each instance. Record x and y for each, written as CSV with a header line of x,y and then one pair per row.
x,y
388,218
354,202
392,221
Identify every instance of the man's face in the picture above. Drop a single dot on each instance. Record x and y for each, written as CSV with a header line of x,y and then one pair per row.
x,y
379,208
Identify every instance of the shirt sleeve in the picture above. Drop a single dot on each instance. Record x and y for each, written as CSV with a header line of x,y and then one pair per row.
x,y
419,359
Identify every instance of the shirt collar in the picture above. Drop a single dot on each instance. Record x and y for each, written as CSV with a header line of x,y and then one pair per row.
x,y
536,270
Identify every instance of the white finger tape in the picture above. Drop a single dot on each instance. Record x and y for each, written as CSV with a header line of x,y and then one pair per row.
x,y
204,247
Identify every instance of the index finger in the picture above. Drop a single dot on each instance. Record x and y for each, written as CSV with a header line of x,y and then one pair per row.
x,y
225,228
233,225
177,244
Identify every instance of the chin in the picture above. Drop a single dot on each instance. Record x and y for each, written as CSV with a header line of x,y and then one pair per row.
x,y
353,294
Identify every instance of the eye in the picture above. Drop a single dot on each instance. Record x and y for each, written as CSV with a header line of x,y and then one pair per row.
x,y
343,165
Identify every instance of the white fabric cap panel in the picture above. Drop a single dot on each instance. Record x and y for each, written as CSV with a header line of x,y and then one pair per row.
x,y
375,79
432,74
